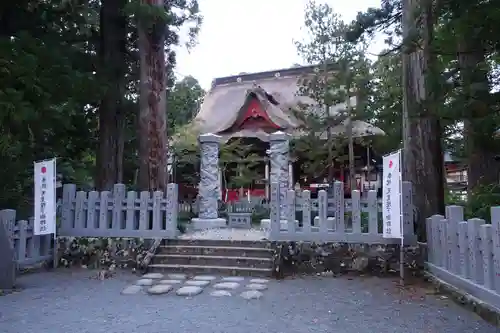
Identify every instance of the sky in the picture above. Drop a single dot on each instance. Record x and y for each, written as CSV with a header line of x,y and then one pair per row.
x,y
254,36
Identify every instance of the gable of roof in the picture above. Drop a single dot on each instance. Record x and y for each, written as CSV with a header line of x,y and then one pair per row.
x,y
278,92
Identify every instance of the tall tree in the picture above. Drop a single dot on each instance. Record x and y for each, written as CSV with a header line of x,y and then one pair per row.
x,y
153,148
155,40
423,155
480,117
422,132
113,70
342,74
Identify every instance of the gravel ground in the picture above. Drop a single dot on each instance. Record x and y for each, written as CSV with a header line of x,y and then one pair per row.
x,y
69,301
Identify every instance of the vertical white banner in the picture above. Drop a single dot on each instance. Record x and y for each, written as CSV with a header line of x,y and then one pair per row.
x,y
45,197
391,196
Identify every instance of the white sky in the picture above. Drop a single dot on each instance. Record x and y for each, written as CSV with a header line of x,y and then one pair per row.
x,y
232,28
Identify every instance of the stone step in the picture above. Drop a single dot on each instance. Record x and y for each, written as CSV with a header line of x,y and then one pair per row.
x,y
232,251
216,270
211,260
218,242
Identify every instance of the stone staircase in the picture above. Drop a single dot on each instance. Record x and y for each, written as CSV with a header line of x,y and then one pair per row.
x,y
220,257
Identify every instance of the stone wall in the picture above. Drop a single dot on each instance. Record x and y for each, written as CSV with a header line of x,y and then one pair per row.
x,y
291,258
102,253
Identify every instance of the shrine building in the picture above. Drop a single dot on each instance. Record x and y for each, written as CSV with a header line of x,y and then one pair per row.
x,y
250,106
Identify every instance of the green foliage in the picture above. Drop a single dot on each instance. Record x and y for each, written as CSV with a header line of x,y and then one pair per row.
x,y
238,157
385,102
52,82
235,156
45,85
146,12
480,201
458,24
183,100
342,77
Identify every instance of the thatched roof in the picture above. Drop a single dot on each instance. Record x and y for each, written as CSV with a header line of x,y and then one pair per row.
x,y
277,91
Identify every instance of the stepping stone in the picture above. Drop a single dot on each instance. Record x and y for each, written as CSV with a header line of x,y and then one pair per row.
x,y
199,283
226,285
159,289
259,281
251,294
233,278
169,281
204,277
144,282
256,286
220,293
189,291
177,276
131,290
153,276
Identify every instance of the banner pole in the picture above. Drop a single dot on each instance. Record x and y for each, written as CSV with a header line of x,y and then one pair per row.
x,y
56,246
401,248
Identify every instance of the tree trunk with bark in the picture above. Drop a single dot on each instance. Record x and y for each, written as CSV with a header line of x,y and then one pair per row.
x,y
152,131
113,29
481,149
423,156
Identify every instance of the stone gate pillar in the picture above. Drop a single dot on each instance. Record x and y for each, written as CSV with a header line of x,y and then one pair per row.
x,y
209,187
279,157
279,149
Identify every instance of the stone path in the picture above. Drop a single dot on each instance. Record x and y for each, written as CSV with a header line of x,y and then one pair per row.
x,y
181,285
69,300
